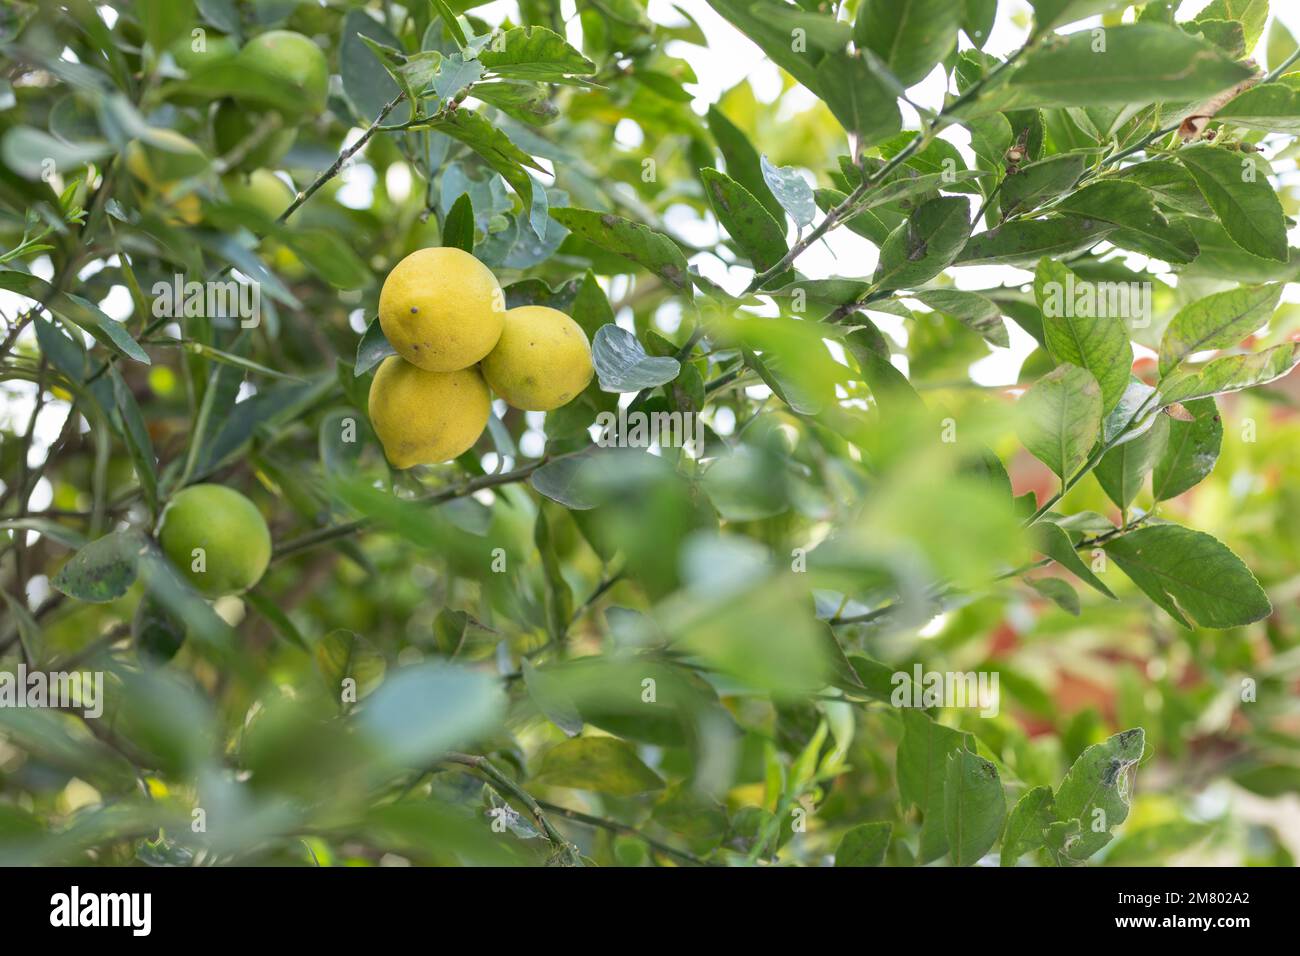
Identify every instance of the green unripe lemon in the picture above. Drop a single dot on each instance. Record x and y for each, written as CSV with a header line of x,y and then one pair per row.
x,y
215,49
260,190
542,361
216,538
424,417
233,124
294,60
441,309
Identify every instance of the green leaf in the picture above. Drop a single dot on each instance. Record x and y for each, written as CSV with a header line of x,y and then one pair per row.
x,y
367,83
1191,451
1033,813
534,53
864,845
328,255
458,226
76,310
1170,184
860,100
908,184
420,712
976,312
1269,107
560,481
1095,792
68,537
923,246
1140,63
909,36
1058,592
631,240
622,364
1191,575
1062,418
791,191
1141,226
1237,188
1026,241
1078,329
744,164
27,151
1217,321
29,632
974,806
372,349
1122,470
1053,541
1251,14
758,235
138,444
602,764
922,769
449,21
1231,373
558,597
496,148
342,655
1038,182
550,698
103,570
1054,13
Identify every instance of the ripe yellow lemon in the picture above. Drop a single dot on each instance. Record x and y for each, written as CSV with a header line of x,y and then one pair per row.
x,y
542,361
441,309
424,417
216,538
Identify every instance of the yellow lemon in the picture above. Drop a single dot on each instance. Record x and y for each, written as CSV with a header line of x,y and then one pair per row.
x,y
441,309
542,361
424,417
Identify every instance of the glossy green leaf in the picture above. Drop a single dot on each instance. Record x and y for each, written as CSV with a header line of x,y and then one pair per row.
x,y
1079,328
1096,792
909,36
1190,574
1217,321
1062,418
974,806
864,845
1137,63
602,764
1237,188
1190,452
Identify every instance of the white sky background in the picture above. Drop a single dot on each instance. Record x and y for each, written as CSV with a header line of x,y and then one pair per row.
x,y
729,58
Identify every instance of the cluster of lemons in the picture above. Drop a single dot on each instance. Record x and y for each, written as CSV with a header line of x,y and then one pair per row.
x,y
445,315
